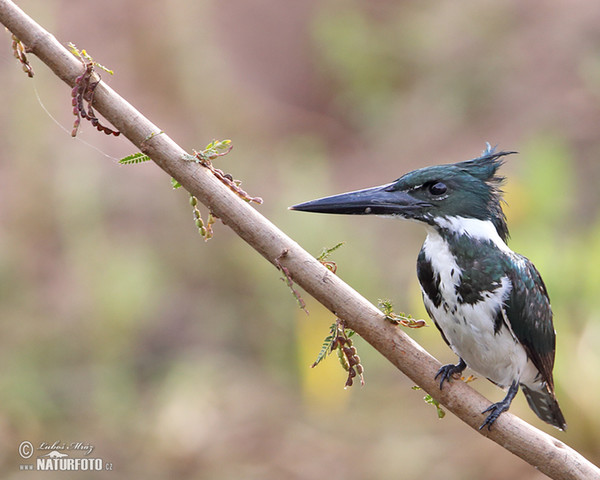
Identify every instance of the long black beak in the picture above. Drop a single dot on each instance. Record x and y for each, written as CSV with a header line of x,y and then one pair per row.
x,y
382,200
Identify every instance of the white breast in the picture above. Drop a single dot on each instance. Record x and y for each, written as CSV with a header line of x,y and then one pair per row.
x,y
470,328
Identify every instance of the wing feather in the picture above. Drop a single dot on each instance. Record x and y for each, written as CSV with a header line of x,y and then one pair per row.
x,y
530,315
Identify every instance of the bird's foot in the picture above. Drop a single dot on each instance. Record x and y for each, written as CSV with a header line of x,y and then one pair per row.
x,y
497,408
447,371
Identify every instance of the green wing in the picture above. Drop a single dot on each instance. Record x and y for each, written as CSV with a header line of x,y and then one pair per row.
x,y
530,316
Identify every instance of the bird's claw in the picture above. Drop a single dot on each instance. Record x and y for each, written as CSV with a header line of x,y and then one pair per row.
x,y
447,371
496,409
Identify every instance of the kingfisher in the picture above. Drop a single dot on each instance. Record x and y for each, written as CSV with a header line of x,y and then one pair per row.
x,y
489,303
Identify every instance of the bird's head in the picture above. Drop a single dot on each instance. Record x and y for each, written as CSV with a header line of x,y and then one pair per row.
x,y
434,195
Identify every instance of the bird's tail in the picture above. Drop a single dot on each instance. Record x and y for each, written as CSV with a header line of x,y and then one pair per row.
x,y
544,404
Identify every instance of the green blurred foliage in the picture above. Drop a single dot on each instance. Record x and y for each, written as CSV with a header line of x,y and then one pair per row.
x,y
121,327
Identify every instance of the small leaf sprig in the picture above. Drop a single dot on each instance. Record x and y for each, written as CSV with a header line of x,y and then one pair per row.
x,y
19,51
399,318
83,93
339,335
323,257
339,340
214,150
432,401
134,158
205,157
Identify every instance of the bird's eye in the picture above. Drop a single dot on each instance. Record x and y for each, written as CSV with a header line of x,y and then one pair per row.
x,y
437,188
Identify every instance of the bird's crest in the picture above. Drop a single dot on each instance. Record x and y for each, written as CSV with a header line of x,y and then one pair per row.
x,y
485,168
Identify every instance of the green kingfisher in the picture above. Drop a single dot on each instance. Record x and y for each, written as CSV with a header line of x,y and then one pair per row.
x,y
489,303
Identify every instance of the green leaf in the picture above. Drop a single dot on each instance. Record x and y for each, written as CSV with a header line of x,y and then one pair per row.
x,y
328,251
134,158
431,401
216,148
327,345
325,350
86,57
406,320
386,307
175,183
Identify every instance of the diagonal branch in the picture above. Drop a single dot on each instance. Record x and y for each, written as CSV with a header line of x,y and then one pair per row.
x,y
549,455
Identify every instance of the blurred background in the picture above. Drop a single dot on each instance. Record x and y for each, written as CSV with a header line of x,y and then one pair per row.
x,y
176,358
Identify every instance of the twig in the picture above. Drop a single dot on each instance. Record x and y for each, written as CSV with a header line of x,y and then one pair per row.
x,y
547,454
288,280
